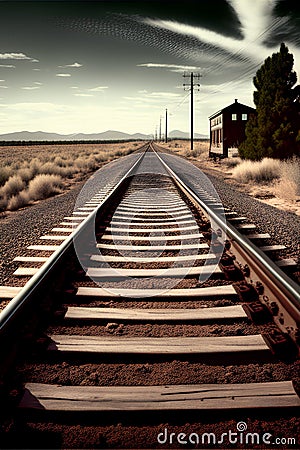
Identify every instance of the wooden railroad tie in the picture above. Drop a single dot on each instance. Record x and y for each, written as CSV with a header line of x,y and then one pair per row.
x,y
197,397
201,346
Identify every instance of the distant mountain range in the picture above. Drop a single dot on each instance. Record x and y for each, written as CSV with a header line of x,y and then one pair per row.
x,y
109,135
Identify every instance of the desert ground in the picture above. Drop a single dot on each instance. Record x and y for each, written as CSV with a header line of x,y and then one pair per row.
x,y
31,173
272,182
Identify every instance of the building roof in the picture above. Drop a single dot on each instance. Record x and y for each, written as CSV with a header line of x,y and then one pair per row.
x,y
232,106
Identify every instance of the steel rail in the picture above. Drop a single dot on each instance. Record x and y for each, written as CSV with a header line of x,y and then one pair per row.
x,y
278,277
13,307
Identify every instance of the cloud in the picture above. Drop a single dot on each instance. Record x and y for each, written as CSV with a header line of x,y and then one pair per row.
x,y
85,92
8,66
84,95
98,89
17,56
30,88
257,21
153,97
75,64
255,16
38,83
171,67
36,69
203,35
63,75
163,95
3,87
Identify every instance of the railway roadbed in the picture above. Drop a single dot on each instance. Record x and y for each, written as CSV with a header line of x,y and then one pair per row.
x,y
142,319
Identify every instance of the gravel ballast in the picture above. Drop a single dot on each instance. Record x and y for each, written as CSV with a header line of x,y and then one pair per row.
x,y
24,227
283,226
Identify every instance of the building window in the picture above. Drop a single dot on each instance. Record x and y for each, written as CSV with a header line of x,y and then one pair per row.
x,y
233,117
244,116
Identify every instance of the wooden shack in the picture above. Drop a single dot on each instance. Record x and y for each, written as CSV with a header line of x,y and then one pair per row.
x,y
227,128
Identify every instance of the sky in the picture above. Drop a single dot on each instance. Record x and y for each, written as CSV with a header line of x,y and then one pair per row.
x,y
91,66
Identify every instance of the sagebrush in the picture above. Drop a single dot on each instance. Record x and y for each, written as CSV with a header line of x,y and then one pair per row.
x,y
30,173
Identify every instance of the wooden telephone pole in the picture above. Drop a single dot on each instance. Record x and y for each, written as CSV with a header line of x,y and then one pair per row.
x,y
166,130
191,86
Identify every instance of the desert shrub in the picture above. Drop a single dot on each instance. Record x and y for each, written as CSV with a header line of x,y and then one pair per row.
x,y
68,171
50,168
15,166
44,185
59,161
79,162
5,173
7,162
92,163
285,189
26,173
21,169
13,185
288,186
18,201
35,165
86,163
262,171
100,158
193,153
3,203
232,162
291,170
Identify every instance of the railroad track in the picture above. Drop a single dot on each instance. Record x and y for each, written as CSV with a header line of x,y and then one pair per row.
x,y
150,303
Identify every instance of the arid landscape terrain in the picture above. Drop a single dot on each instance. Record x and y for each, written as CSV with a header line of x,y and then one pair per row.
x,y
50,179
31,173
274,182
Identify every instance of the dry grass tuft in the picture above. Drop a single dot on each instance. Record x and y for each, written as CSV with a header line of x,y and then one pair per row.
x,y
182,148
288,187
44,185
5,173
281,177
13,185
26,173
263,171
39,171
232,162
18,201
3,203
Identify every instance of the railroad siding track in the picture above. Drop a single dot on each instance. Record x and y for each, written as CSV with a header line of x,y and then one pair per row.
x,y
139,303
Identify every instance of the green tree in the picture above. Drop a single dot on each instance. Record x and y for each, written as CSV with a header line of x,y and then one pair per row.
x,y
274,132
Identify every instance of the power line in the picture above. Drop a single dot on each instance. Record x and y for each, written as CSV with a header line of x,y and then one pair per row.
x,y
237,80
277,22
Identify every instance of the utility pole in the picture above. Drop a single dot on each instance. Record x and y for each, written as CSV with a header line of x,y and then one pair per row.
x,y
159,128
191,86
155,135
166,130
